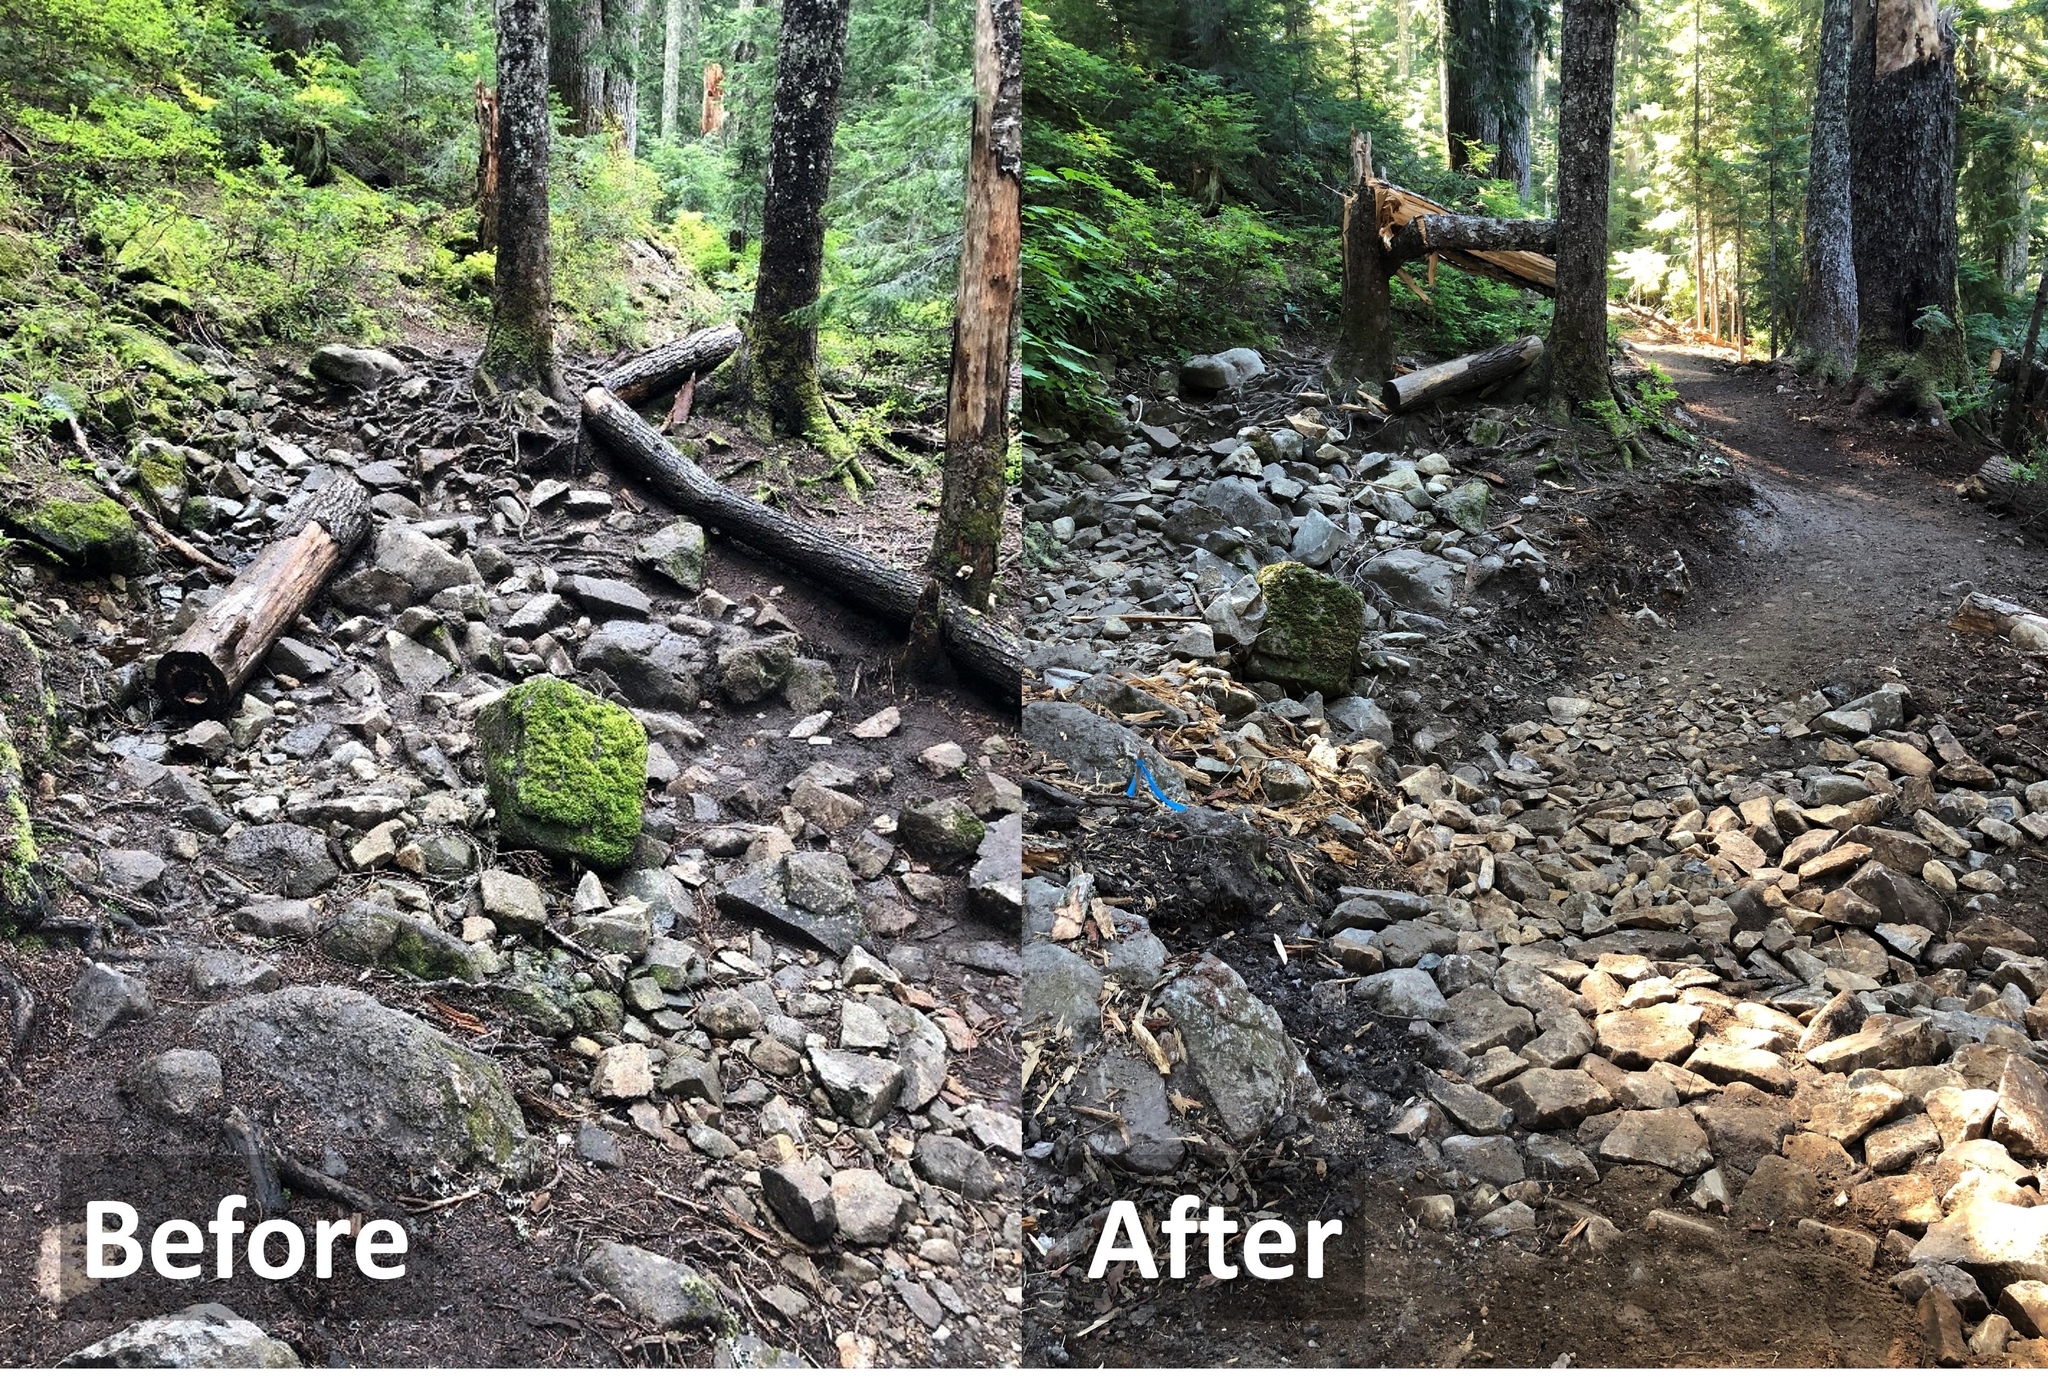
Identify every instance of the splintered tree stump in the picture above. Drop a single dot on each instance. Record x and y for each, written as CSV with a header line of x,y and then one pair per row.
x,y
1460,376
201,673
976,646
669,367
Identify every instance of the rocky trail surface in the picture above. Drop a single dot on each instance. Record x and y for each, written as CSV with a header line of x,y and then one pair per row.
x,y
569,884
1630,921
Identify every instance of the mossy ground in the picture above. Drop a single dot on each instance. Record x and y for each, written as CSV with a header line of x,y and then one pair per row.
x,y
567,771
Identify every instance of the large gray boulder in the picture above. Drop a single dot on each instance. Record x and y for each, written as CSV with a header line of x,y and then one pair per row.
x,y
1096,751
199,1337
355,367
1415,580
1241,1063
337,1060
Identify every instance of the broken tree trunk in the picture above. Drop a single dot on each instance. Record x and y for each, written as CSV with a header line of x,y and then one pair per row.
x,y
1468,372
976,646
1434,234
1988,614
201,673
671,366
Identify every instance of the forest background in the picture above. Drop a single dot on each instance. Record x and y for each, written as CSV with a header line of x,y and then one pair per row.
x,y
1187,161
283,172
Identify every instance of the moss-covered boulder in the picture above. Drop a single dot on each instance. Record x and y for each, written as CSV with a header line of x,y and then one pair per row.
x,y
164,473
1313,623
93,536
151,352
567,772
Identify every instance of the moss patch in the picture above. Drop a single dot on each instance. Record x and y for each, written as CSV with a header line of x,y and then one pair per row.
x,y
91,535
18,892
1312,628
567,772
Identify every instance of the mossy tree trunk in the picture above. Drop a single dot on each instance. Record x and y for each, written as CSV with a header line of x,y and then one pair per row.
x,y
1827,329
810,60
986,314
1577,358
1902,129
519,350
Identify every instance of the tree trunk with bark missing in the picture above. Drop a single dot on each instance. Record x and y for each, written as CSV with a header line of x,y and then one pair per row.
x,y
810,60
985,316
1577,358
976,646
625,24
1427,235
1471,107
202,673
1902,130
1420,388
1827,330
486,167
519,349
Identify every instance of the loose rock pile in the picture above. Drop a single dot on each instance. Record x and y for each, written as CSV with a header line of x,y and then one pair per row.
x,y
528,781
1753,943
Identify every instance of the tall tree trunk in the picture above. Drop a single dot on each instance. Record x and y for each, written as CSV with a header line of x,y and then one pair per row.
x,y
1902,124
2010,243
519,349
1471,109
810,59
576,61
671,67
486,167
1404,37
1577,359
1515,33
625,25
1827,333
986,315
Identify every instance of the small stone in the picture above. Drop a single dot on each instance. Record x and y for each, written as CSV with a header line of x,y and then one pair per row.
x,y
943,760
104,997
658,1290
623,1073
513,901
178,1084
868,1209
802,1200
861,1088
879,725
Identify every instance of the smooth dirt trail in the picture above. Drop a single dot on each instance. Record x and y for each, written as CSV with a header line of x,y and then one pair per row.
x,y
1848,552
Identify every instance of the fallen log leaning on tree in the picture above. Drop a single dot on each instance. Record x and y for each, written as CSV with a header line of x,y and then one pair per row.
x,y
1987,614
975,645
1468,372
1437,233
670,366
200,674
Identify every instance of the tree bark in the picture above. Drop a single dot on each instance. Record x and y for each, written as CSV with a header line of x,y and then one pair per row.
x,y
667,368
1577,359
1366,346
671,67
1419,388
810,60
1515,36
1902,122
519,349
625,23
576,61
486,167
2014,434
985,320
1471,107
1427,235
1827,331
977,647
202,672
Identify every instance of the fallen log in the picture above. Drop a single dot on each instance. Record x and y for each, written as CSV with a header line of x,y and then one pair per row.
x,y
1440,232
975,645
1408,392
671,366
201,673
1988,614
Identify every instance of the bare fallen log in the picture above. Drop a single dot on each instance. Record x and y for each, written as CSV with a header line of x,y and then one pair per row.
x,y
202,672
1408,392
671,366
1988,614
975,645
1439,232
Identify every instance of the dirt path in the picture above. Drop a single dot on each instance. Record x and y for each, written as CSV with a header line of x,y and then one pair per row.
x,y
1852,550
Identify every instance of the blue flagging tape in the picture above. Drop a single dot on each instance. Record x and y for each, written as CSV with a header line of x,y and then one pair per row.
x,y
1144,774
